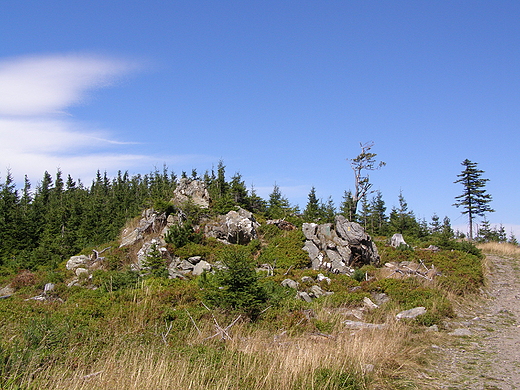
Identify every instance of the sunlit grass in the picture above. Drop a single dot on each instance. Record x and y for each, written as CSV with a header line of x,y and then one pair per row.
x,y
500,248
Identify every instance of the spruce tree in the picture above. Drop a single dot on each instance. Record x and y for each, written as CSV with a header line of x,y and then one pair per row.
x,y
474,200
312,210
278,205
378,216
347,206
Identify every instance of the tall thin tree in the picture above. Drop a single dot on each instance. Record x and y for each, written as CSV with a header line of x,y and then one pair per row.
x,y
474,200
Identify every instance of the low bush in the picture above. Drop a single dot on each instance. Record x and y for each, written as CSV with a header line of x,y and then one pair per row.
x,y
409,293
461,272
285,250
114,280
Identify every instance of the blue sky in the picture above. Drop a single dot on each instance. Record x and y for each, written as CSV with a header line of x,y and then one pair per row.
x,y
282,91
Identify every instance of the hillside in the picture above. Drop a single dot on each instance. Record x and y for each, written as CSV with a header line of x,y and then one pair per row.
x,y
277,304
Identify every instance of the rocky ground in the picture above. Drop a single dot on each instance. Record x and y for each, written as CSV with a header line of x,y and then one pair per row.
x,y
484,350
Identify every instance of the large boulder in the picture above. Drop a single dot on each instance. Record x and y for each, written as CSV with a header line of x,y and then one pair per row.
x,y
339,246
80,261
191,190
236,227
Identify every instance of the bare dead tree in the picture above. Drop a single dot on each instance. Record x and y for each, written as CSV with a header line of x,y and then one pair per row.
x,y
363,163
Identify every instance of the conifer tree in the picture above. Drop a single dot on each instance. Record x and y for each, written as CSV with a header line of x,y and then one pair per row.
x,y
8,216
378,214
328,210
312,210
238,191
474,200
278,205
435,224
347,205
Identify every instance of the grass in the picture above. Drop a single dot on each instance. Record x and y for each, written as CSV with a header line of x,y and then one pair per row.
x,y
136,333
500,249
151,336
251,360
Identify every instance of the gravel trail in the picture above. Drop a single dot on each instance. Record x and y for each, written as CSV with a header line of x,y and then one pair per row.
x,y
484,352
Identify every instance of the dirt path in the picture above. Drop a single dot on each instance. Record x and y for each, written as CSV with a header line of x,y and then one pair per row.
x,y
486,352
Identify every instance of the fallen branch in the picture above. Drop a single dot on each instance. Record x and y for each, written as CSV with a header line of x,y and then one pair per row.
x,y
194,324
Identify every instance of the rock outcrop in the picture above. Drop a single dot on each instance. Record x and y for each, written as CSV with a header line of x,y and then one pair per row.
x,y
191,190
338,247
151,221
236,227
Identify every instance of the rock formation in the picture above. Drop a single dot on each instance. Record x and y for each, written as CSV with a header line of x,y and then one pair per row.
x,y
191,190
339,246
236,227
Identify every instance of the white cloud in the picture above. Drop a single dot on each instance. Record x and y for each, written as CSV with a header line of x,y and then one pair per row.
x,y
35,136
42,85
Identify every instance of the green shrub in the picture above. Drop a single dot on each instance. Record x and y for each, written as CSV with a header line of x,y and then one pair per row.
x,y
359,275
408,293
285,250
154,262
181,235
268,232
115,280
236,286
163,206
462,246
461,272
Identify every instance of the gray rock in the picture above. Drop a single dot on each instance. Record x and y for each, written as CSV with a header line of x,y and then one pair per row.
x,y
236,227
81,271
130,237
76,262
412,313
380,298
322,277
191,190
363,325
340,246
303,296
195,259
317,292
307,279
369,304
48,287
461,332
201,267
290,283
315,256
151,221
186,265
7,291
309,231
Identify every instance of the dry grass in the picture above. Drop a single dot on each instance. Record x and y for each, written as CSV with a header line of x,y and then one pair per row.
x,y
253,359
501,249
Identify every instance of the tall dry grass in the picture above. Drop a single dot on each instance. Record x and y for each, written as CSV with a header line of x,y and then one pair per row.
x,y
252,359
500,248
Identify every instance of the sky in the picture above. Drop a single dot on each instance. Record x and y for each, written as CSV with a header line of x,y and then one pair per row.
x,y
282,92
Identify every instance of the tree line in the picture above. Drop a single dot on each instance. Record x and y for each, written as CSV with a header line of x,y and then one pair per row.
x,y
61,217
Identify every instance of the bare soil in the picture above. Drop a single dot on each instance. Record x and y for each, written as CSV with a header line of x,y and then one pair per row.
x,y
483,351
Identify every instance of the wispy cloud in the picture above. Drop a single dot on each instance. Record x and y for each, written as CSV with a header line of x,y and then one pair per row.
x,y
43,85
37,134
